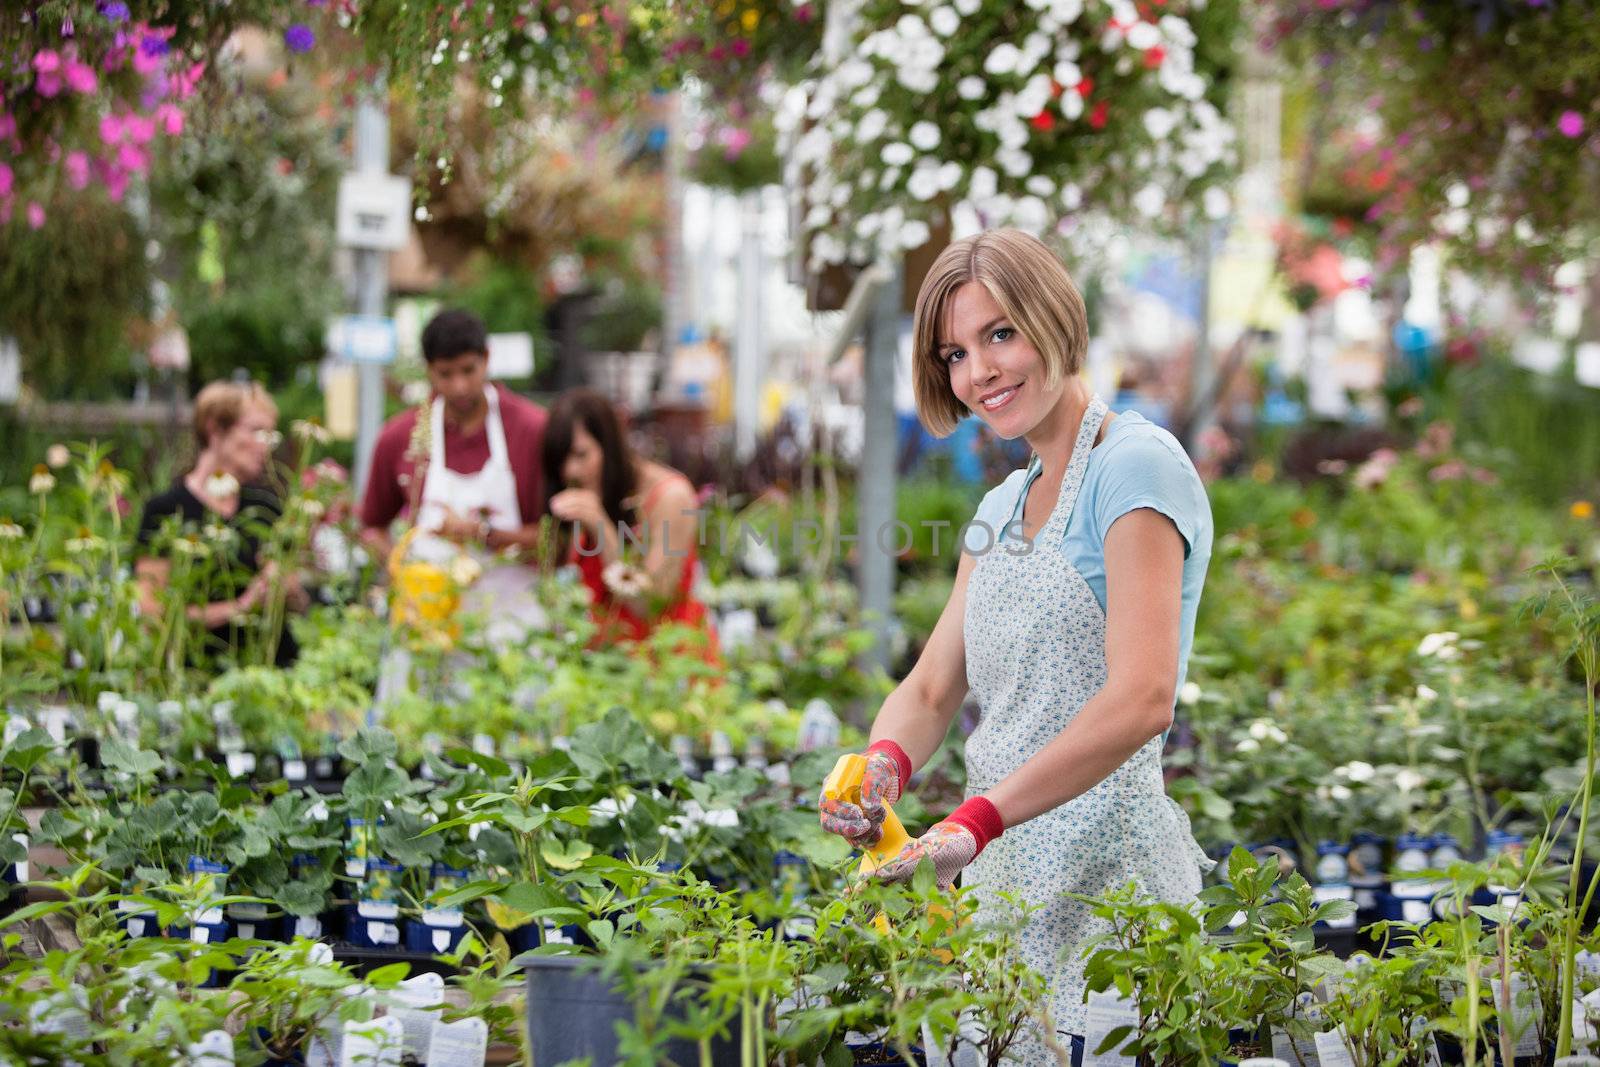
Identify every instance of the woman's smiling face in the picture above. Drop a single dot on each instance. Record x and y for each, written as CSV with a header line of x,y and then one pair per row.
x,y
994,370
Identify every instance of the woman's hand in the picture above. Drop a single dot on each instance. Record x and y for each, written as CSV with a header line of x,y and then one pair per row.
x,y
581,506
459,529
862,824
951,844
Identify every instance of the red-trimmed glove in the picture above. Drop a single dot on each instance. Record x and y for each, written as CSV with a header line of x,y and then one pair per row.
x,y
951,844
888,771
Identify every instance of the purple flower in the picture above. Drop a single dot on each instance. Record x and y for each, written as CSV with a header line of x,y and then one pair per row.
x,y
1570,124
114,10
299,38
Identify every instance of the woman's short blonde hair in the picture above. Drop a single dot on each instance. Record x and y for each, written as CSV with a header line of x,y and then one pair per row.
x,y
220,405
1031,286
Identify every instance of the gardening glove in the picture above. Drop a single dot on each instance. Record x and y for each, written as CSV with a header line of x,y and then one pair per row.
x,y
888,770
951,844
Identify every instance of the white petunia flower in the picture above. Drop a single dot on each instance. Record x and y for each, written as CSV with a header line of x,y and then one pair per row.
x,y
1142,35
924,183
949,176
1071,105
1066,11
1425,692
968,7
1067,74
1150,200
972,87
924,136
1216,203
1031,214
1003,59
944,21
1249,744
983,184
1159,123
1039,185
914,234
1014,161
1071,197
1339,792
1407,780
1360,771
871,125
897,154
1189,695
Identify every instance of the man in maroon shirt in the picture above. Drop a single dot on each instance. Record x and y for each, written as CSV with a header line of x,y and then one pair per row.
x,y
481,483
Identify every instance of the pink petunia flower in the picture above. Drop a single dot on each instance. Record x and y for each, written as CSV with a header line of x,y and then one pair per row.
x,y
111,129
7,180
8,125
35,215
133,159
1570,124
171,118
47,61
81,78
77,169
141,129
47,85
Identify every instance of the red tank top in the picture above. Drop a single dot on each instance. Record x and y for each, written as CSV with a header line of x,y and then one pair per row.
x,y
619,621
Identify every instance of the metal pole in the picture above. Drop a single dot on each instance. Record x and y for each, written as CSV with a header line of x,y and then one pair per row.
x,y
672,289
747,372
875,489
1202,368
372,274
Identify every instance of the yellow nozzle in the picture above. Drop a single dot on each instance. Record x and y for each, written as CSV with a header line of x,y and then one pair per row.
x,y
844,783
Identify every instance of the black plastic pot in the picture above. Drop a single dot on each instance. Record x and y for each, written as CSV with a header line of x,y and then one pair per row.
x,y
572,1012
878,1054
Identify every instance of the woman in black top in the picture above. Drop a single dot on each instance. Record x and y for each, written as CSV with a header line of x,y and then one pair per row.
x,y
221,509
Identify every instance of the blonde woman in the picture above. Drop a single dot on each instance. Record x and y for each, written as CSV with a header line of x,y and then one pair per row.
x,y
235,429
1070,622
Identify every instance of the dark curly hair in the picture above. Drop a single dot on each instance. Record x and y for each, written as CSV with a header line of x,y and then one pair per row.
x,y
454,332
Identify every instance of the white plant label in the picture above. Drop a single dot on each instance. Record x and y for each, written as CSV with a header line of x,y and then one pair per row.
x,y
413,1002
464,1043
1107,1011
1294,1053
295,770
1523,1030
373,1044
1332,1051
240,764
215,1049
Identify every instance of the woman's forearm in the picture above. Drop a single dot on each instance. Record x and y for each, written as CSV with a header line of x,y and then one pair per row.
x,y
213,615
914,722
1114,724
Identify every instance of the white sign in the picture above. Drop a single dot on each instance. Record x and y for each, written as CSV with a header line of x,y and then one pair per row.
x,y
1586,360
510,355
413,1001
1107,1011
1332,1051
374,1044
364,338
374,211
459,1044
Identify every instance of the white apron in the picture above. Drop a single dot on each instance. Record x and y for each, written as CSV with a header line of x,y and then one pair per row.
x,y
1036,652
505,591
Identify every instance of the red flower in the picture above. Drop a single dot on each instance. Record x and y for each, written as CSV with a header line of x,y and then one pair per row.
x,y
1085,87
1043,121
1153,57
1097,117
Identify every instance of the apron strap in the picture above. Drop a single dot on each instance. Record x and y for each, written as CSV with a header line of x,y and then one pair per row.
x,y
1093,416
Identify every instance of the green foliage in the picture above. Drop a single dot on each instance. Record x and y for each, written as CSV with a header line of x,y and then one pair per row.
x,y
69,292
622,318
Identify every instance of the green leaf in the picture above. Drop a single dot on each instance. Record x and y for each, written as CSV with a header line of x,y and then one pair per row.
x,y
565,855
121,756
466,757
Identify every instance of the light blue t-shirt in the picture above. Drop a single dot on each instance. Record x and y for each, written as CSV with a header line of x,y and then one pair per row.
x,y
1136,465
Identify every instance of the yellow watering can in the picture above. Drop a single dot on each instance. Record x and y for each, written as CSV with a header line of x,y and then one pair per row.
x,y
844,784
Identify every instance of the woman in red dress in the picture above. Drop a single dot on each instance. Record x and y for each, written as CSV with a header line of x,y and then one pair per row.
x,y
618,502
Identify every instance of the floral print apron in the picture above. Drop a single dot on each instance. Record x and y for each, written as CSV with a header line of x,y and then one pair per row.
x,y
1036,652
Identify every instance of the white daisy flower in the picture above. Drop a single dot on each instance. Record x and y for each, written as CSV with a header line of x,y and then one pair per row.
x,y
972,87
222,486
924,136
944,21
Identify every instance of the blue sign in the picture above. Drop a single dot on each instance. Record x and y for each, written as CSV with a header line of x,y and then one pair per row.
x,y
367,338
